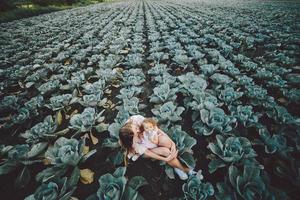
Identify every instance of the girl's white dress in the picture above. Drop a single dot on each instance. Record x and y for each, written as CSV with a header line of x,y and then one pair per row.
x,y
139,145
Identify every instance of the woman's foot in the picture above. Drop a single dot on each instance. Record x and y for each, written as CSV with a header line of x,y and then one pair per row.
x,y
192,172
182,175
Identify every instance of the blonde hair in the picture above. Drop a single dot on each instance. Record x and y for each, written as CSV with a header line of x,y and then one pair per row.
x,y
149,121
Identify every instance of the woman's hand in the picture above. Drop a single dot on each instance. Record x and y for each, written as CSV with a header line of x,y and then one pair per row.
x,y
171,156
173,147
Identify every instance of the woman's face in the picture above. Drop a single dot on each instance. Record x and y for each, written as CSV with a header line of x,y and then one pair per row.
x,y
135,129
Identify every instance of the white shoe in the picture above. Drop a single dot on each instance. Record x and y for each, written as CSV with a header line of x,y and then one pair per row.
x,y
182,175
192,172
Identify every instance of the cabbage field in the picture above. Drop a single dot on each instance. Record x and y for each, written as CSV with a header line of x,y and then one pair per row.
x,y
221,77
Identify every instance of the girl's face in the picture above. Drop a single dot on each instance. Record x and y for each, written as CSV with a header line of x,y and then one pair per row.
x,y
148,126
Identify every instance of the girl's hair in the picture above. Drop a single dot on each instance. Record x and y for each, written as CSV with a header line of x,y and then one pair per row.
x,y
150,121
126,139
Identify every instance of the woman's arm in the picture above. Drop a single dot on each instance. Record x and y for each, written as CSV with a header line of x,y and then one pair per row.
x,y
158,157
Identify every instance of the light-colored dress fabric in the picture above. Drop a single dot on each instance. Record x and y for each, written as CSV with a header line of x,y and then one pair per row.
x,y
139,145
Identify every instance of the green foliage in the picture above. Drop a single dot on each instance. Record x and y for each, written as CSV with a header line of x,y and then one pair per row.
x,y
195,189
245,115
41,131
86,120
163,93
168,113
57,188
60,101
230,150
214,119
117,187
64,154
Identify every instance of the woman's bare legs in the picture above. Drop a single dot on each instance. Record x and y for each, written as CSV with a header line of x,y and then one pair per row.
x,y
176,163
163,151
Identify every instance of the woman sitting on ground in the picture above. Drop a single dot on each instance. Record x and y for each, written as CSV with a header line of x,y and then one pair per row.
x,y
133,141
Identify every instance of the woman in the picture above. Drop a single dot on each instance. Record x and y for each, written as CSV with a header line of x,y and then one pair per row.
x,y
132,140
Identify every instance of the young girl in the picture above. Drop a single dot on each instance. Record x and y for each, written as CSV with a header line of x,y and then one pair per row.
x,y
154,135
131,140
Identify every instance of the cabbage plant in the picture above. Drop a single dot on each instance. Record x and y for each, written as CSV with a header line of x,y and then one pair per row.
x,y
249,184
281,114
276,143
293,94
221,78
63,155
92,100
29,110
182,60
129,92
258,95
163,93
57,188
229,95
245,115
134,60
168,113
158,69
277,82
94,88
191,83
49,86
133,77
166,78
132,105
230,150
117,187
76,80
86,120
9,102
42,131
249,66
196,189
214,119
59,102
20,156
208,69
199,101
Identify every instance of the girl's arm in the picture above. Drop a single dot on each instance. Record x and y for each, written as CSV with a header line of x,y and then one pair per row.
x,y
159,131
158,157
154,138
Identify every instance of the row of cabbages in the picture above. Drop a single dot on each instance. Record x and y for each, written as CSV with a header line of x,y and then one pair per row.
x,y
236,90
